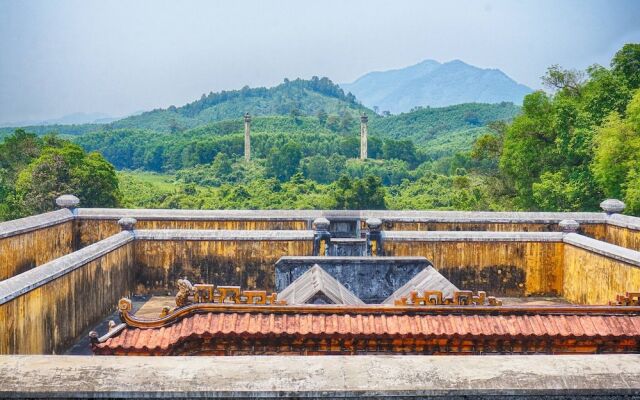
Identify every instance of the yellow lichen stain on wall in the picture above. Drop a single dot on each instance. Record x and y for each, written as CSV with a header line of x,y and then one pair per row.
x,y
49,318
23,252
591,278
500,268
93,230
246,263
625,237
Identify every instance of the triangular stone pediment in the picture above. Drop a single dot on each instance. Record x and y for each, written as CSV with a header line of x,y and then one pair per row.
x,y
316,286
426,280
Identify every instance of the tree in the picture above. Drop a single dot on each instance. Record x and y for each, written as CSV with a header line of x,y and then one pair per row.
x,y
63,170
322,117
616,164
360,194
557,78
282,162
626,63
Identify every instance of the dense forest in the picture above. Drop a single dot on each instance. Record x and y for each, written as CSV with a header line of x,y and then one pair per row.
x,y
565,149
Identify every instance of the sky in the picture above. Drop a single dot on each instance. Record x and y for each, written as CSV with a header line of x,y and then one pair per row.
x,y
121,57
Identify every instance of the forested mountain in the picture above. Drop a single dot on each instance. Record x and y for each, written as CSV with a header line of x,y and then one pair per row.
x,y
292,97
431,83
449,129
296,97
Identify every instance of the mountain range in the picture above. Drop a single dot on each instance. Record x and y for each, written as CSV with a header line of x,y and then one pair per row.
x,y
434,84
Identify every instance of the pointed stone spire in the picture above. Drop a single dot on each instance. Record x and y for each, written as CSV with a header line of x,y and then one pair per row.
x,y
247,137
363,136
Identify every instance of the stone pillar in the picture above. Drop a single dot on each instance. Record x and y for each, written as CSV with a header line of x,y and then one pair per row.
x,y
612,206
363,136
321,234
374,235
247,137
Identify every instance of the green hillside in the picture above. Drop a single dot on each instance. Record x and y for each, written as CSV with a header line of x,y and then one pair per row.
x,y
426,124
297,97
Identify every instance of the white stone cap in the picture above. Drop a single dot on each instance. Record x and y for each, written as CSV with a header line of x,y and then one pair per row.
x,y
127,223
68,201
569,225
374,223
321,223
612,206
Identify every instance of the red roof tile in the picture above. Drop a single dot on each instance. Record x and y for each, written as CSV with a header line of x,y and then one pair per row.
x,y
322,325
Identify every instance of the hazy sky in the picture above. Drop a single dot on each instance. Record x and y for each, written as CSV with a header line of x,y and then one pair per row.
x,y
118,57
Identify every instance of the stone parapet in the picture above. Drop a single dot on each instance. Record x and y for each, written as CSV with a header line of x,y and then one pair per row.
x,y
35,222
36,277
214,235
472,236
477,377
603,248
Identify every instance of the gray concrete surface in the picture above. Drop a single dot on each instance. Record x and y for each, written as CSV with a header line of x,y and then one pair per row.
x,y
472,236
205,234
384,215
319,376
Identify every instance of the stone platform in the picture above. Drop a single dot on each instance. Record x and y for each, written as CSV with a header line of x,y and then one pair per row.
x,y
600,376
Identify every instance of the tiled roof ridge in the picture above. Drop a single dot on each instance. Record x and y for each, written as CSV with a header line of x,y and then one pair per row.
x,y
331,309
246,324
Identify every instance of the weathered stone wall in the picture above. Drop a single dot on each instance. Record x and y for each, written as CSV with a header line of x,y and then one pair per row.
x,y
28,242
624,231
238,258
502,264
44,310
595,272
93,230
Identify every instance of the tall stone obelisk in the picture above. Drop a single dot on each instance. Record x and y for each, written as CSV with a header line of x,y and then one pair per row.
x,y
247,137
363,136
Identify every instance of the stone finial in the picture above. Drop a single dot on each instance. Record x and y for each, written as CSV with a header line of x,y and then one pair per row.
x,y
612,206
374,224
68,201
93,337
364,118
247,117
569,226
321,224
127,223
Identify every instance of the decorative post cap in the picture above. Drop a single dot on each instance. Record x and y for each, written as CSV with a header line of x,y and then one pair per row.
x,y
374,224
127,223
247,117
364,118
321,224
569,226
612,206
93,337
67,201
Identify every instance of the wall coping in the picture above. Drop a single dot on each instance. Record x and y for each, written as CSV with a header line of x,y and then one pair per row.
x,y
34,222
385,215
211,234
606,249
319,376
399,259
39,276
624,221
471,236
